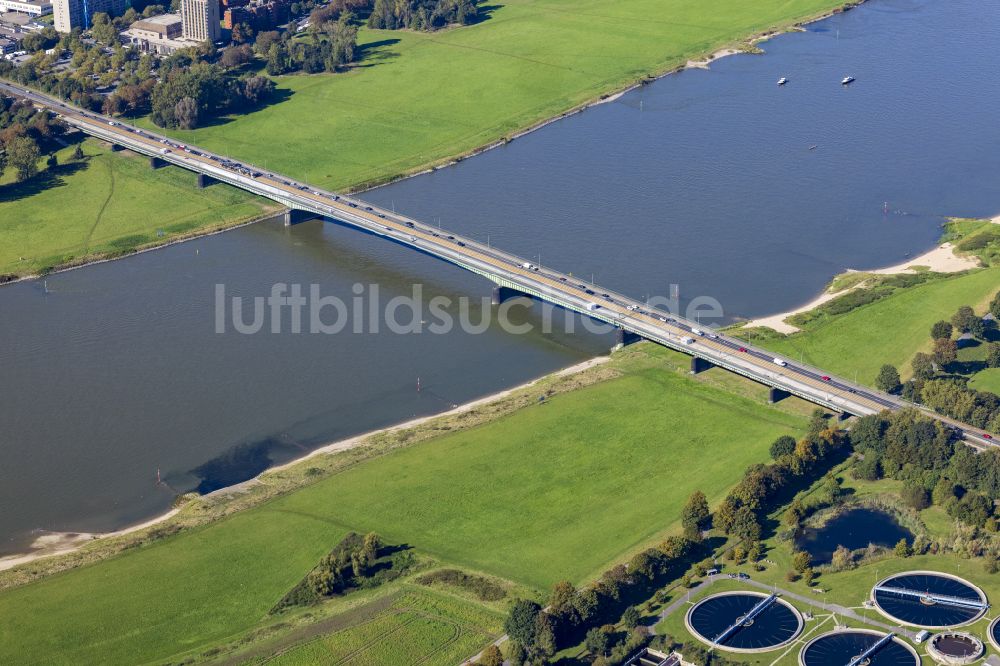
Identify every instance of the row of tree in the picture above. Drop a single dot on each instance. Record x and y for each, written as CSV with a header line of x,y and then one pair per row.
x,y
343,568
586,613
763,486
421,14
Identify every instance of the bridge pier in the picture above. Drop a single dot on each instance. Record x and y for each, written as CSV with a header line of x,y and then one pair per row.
x,y
155,162
776,394
623,337
204,181
699,365
501,294
294,216
116,147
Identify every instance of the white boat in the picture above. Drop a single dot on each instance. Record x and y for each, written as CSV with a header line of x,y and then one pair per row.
x,y
847,79
782,81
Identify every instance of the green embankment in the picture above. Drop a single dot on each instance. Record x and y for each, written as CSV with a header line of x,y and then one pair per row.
x,y
556,490
890,330
420,98
107,204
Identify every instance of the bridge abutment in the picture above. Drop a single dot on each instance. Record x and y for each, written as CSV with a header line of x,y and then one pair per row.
x,y
156,162
776,394
700,365
294,216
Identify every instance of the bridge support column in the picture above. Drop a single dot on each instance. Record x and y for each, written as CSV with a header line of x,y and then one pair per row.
x,y
699,365
294,216
115,147
843,416
623,337
501,294
204,181
155,162
777,394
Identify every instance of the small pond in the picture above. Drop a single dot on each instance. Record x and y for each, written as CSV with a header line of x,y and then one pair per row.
x,y
852,529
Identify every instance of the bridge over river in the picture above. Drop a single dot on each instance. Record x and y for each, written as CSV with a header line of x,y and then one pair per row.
x,y
511,274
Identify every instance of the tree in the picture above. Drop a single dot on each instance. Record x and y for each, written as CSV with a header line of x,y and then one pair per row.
x,y
77,153
869,469
888,379
801,561
977,327
23,154
520,622
561,599
962,320
808,576
236,56
915,496
841,559
993,355
995,307
103,30
256,89
186,113
277,60
597,641
545,635
745,525
52,162
783,446
902,549
945,352
491,657
695,515
922,366
941,330
831,489
631,617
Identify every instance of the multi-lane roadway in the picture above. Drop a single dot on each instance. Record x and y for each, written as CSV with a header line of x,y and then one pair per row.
x,y
504,269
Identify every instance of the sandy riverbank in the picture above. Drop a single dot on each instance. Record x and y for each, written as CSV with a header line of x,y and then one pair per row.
x,y
941,259
59,543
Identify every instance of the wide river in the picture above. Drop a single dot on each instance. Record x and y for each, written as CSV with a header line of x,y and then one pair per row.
x,y
716,180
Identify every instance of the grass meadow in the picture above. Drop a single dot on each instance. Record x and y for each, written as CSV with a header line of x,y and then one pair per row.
x,y
107,204
419,627
891,330
558,490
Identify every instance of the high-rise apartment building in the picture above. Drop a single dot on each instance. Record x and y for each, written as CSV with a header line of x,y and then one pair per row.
x,y
69,14
201,20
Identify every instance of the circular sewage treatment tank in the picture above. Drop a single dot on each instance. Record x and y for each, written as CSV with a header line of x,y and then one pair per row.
x,y
955,648
911,600
994,633
842,647
771,628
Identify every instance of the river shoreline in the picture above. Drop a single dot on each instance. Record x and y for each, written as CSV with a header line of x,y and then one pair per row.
x,y
941,259
53,544
603,98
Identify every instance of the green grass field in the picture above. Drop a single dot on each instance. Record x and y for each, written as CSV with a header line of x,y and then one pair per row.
x,y
891,330
558,490
420,98
418,628
108,204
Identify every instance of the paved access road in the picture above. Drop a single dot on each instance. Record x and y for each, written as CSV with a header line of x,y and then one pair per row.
x,y
504,269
